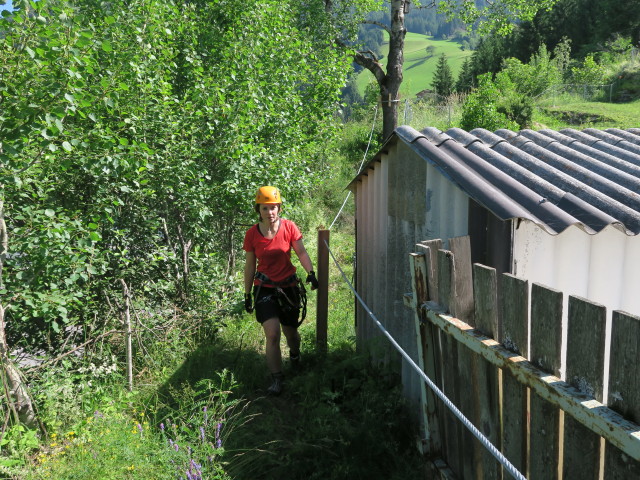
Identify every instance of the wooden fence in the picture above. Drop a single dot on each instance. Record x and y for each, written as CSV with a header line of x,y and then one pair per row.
x,y
494,346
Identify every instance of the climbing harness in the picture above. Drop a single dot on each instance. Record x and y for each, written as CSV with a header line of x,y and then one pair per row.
x,y
299,302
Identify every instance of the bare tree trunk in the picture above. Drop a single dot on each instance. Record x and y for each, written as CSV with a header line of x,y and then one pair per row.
x,y
127,325
389,82
186,248
15,390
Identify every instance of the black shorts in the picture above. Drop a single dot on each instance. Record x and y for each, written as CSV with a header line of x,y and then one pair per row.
x,y
282,303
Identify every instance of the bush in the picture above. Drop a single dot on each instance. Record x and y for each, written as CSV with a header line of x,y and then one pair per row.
x,y
589,73
481,109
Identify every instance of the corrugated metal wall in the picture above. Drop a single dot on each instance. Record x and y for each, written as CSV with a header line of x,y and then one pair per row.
x,y
401,201
602,268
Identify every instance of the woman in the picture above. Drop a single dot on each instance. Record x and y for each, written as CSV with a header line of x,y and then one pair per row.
x,y
276,297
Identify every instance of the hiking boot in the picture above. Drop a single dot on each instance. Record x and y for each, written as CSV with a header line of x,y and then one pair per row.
x,y
276,384
294,360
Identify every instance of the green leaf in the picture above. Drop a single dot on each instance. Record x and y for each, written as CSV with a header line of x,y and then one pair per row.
x,y
67,146
106,46
49,213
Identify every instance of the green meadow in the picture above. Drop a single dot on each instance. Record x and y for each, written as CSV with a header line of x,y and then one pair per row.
x,y
419,66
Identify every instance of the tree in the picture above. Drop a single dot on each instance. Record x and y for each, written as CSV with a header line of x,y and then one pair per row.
x,y
466,80
443,81
496,16
134,133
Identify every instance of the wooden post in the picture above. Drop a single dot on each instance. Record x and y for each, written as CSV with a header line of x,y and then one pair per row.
x,y
487,390
514,307
624,388
461,307
454,455
546,344
585,371
426,354
322,305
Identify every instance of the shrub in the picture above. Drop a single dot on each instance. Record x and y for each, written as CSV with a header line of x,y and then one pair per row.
x,y
481,109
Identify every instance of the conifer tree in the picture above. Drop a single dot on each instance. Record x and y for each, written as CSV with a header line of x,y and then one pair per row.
x,y
466,80
443,81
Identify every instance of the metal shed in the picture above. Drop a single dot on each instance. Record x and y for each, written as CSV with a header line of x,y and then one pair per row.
x,y
560,208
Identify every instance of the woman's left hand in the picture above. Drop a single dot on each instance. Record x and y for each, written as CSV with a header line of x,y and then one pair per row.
x,y
311,278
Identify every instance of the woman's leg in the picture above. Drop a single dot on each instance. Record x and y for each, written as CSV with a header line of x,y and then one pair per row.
x,y
293,339
271,329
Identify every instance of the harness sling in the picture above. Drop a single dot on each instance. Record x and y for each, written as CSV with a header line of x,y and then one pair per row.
x,y
292,281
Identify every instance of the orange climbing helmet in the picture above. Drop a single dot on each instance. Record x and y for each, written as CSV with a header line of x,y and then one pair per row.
x,y
268,195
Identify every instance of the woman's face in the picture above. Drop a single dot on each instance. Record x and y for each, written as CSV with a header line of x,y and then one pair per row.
x,y
269,212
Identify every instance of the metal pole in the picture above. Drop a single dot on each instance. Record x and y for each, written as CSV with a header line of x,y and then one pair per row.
x,y
322,305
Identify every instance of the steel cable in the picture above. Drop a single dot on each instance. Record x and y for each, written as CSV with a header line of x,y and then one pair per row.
x,y
472,428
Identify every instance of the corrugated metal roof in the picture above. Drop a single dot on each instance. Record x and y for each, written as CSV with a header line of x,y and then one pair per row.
x,y
588,178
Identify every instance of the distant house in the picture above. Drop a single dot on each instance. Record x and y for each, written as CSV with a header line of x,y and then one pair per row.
x,y
561,208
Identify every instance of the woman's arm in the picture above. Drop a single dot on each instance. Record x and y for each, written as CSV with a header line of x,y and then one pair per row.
x,y
303,256
249,271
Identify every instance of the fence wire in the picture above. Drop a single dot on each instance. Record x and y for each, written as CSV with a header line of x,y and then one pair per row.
x,y
513,471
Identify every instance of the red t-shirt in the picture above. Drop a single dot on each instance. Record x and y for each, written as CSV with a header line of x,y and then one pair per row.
x,y
274,256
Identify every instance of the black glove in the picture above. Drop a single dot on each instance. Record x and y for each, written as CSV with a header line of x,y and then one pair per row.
x,y
311,278
248,302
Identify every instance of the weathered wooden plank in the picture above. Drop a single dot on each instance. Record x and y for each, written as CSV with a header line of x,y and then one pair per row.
x,y
452,436
513,299
546,343
624,389
600,419
426,354
485,285
433,333
585,371
461,306
487,411
431,250
514,307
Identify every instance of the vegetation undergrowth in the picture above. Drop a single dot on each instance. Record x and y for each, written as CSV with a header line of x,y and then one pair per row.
x,y
203,412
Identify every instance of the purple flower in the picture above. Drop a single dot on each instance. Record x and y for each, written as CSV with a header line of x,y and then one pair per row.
x,y
139,428
162,427
202,434
196,466
218,439
176,447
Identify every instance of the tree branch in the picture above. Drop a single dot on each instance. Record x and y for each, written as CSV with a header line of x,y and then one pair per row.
x,y
368,60
379,24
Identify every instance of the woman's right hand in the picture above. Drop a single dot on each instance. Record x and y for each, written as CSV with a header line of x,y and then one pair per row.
x,y
248,302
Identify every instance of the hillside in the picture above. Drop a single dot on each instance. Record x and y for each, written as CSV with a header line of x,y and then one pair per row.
x,y
419,66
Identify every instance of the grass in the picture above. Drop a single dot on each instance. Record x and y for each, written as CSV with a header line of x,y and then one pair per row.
x,y
580,114
204,412
419,66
